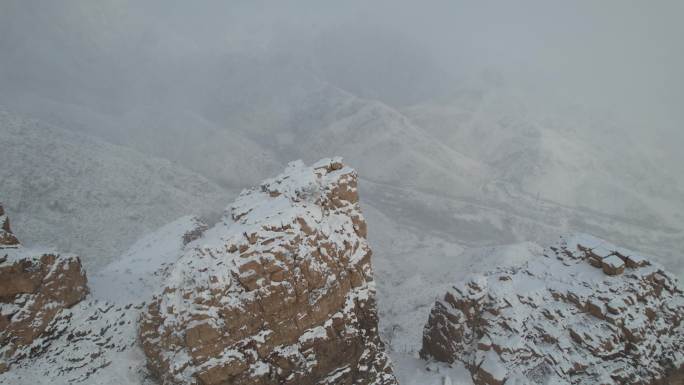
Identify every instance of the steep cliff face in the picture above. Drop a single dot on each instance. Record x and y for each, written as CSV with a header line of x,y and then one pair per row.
x,y
35,288
586,313
279,292
95,341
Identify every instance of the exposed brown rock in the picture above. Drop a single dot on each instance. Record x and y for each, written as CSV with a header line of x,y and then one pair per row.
x,y
280,292
95,341
613,265
585,313
34,289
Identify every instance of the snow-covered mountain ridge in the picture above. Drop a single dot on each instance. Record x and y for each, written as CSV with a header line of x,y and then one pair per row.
x,y
80,194
293,248
95,340
268,293
587,312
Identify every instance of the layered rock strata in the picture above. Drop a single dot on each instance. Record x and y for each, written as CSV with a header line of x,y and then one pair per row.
x,y
96,340
35,288
279,292
587,312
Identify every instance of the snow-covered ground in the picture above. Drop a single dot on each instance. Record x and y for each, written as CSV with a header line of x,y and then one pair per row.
x,y
138,273
97,338
412,270
85,195
414,265
488,165
134,133
81,195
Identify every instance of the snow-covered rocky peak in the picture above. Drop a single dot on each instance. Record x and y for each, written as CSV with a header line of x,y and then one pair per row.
x,y
279,292
35,287
587,312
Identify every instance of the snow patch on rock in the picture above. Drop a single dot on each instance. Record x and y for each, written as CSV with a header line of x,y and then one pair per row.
x,y
584,312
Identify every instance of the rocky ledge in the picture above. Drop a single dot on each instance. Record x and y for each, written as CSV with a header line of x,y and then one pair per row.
x,y
35,287
587,312
279,292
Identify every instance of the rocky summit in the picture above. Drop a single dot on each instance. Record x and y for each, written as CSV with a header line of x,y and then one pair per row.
x,y
35,288
587,312
280,291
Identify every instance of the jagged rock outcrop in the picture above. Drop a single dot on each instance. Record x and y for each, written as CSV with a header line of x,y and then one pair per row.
x,y
280,292
96,340
34,289
586,313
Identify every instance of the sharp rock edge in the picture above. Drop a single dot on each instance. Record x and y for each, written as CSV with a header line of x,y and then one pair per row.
x,y
36,290
279,292
587,312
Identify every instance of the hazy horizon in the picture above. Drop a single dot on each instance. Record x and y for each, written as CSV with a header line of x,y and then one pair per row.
x,y
482,132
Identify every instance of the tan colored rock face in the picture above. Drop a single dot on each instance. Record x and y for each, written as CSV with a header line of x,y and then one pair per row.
x,y
585,313
281,292
34,289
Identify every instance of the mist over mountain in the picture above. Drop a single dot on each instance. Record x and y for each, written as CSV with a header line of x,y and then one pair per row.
x,y
480,130
83,195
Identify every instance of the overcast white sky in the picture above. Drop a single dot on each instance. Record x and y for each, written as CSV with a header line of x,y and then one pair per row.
x,y
624,56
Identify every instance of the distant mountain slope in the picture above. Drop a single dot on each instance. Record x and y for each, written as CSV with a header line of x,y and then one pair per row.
x,y
556,152
89,197
173,132
378,140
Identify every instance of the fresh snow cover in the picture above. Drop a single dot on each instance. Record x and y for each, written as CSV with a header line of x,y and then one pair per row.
x,y
138,273
277,214
412,269
493,365
445,182
412,370
614,261
602,252
563,154
78,194
97,346
97,339
485,168
548,297
19,252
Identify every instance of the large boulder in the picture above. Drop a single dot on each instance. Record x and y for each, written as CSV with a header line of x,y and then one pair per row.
x,y
586,312
279,292
35,287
